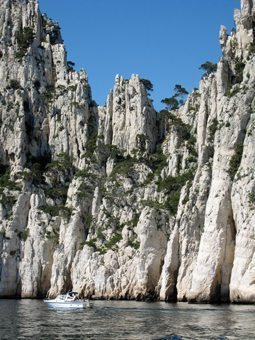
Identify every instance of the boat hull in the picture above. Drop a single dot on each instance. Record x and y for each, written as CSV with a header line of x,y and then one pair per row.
x,y
65,304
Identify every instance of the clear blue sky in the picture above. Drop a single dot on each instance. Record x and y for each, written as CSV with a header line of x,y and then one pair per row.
x,y
164,41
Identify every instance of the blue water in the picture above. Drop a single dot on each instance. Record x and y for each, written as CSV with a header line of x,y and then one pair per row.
x,y
32,319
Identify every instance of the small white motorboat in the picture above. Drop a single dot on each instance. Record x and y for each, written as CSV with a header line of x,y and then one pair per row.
x,y
68,300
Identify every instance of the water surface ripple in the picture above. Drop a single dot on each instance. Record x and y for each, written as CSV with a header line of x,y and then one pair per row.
x,y
32,319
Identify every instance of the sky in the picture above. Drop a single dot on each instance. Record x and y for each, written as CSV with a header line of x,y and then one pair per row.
x,y
164,41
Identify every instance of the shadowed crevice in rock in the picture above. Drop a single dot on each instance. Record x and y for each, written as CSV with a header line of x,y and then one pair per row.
x,y
219,291
169,273
227,265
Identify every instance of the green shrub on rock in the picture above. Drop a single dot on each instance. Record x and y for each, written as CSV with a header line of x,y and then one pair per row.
x,y
24,39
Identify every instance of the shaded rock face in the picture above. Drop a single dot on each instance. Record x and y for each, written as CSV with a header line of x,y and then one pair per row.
x,y
120,201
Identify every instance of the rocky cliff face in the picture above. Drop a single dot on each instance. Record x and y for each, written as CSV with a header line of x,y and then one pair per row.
x,y
121,201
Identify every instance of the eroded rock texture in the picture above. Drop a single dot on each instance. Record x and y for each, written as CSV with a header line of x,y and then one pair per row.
x,y
122,201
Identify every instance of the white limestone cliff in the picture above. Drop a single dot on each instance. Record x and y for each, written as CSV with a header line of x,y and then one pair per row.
x,y
120,201
132,117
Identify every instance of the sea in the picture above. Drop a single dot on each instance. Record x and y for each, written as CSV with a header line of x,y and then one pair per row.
x,y
33,319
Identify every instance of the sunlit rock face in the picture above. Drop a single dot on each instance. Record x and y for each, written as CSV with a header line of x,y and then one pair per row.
x,y
120,201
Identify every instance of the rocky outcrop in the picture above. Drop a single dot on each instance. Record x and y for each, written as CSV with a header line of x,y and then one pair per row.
x,y
120,201
132,118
